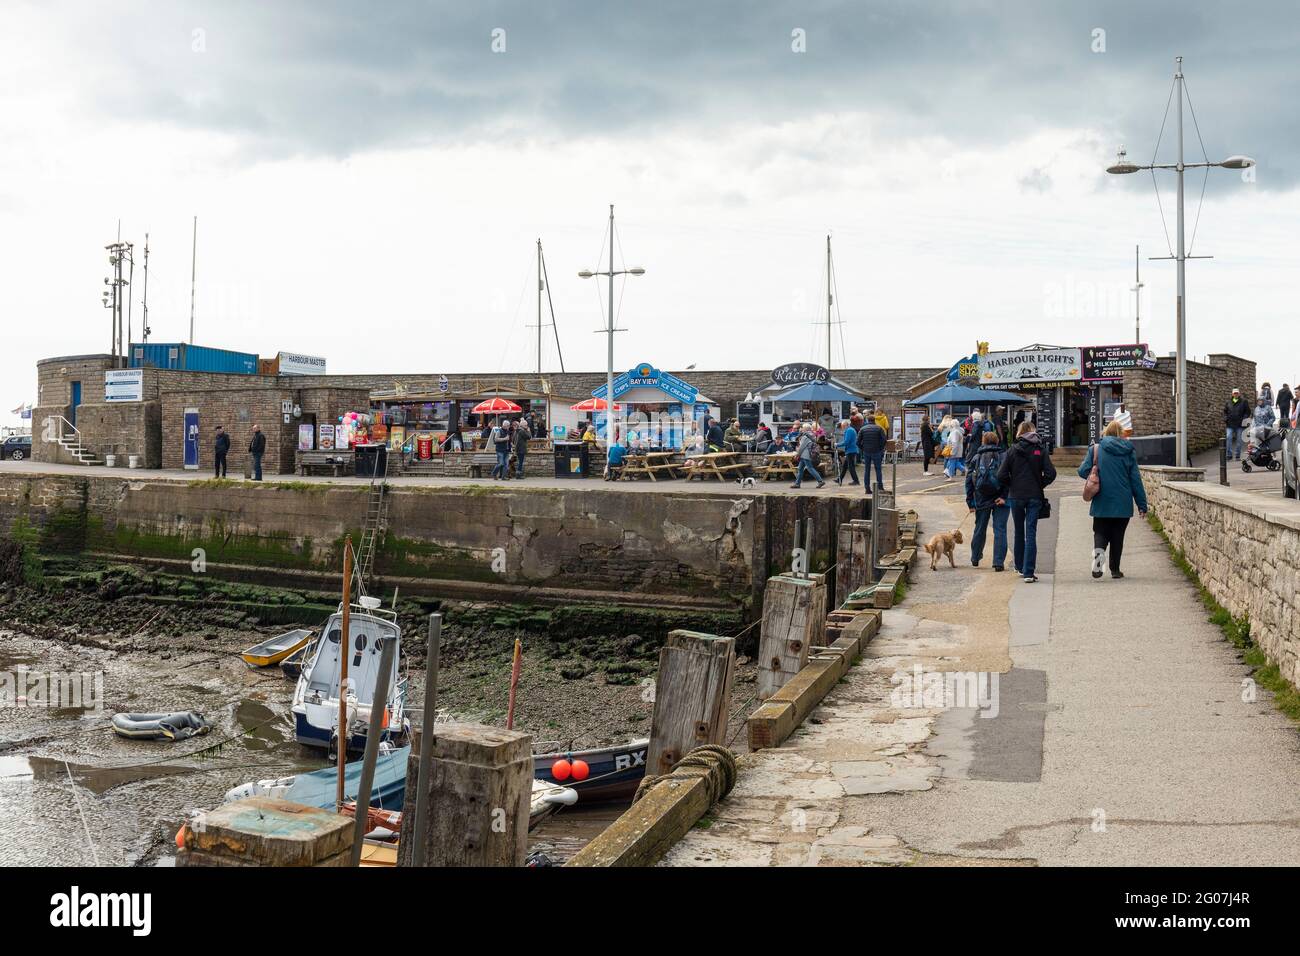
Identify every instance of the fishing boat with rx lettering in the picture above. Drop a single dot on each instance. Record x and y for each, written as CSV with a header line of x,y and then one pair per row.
x,y
316,696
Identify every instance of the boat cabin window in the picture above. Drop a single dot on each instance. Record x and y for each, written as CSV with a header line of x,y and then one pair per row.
x,y
367,636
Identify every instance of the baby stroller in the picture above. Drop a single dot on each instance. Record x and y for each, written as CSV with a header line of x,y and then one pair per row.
x,y
1261,447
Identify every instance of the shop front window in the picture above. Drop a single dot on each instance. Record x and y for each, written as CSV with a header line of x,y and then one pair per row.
x,y
1079,415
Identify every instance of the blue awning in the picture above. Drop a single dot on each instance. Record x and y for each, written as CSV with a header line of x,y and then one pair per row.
x,y
954,394
817,392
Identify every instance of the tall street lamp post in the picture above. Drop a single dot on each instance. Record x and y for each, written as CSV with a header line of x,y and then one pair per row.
x,y
609,330
1123,166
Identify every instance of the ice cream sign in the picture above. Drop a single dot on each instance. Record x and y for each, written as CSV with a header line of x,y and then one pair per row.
x,y
1030,365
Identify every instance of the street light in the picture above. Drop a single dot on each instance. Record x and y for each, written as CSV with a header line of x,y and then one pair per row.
x,y
610,424
1123,166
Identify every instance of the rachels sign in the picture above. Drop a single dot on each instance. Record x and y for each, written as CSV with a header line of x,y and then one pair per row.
x,y
799,373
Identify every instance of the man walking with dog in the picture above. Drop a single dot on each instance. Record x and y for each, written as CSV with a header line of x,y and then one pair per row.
x,y
986,501
1026,470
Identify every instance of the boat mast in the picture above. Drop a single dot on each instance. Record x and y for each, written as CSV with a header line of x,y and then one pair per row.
x,y
829,299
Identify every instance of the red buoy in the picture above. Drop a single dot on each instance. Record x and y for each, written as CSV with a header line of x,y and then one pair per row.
x,y
580,770
180,837
561,769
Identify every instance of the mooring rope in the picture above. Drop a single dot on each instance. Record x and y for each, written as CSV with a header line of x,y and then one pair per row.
x,y
712,763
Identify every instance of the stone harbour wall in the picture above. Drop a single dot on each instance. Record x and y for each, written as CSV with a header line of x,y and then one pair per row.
x,y
527,545
1246,549
1148,393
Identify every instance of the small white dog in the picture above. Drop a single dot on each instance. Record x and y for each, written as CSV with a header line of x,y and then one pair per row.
x,y
745,482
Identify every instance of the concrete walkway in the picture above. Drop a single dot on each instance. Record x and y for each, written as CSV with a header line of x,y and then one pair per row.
x,y
1116,731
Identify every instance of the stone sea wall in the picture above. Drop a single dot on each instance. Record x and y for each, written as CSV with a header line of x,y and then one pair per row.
x,y
1246,549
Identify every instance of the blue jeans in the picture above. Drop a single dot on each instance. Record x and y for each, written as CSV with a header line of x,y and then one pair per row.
x,y
999,515
1024,512
257,466
519,464
806,467
952,464
876,460
1234,441
503,462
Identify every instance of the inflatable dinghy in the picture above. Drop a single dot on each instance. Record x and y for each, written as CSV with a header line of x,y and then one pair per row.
x,y
177,726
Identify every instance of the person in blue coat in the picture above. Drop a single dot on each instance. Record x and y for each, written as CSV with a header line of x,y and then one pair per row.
x,y
1111,509
849,446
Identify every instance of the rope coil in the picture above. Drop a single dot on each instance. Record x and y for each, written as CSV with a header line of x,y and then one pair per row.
x,y
710,762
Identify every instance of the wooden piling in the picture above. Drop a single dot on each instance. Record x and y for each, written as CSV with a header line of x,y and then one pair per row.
x,y
478,790
794,621
692,696
852,558
265,831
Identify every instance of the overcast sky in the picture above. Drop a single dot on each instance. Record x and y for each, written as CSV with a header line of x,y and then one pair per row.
x,y
370,178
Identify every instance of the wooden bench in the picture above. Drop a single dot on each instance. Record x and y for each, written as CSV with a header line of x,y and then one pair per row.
x,y
721,465
779,465
649,463
480,460
337,462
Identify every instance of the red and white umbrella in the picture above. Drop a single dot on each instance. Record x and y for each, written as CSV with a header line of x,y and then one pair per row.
x,y
495,404
593,405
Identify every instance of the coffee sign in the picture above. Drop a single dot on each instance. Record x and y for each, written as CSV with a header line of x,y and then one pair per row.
x,y
799,373
1030,365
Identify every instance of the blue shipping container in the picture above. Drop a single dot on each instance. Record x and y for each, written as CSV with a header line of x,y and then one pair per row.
x,y
192,358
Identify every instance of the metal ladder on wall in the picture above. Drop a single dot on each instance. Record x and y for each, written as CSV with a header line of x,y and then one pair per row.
x,y
376,524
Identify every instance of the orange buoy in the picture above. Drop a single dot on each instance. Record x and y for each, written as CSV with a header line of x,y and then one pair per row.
x,y
561,769
580,770
180,837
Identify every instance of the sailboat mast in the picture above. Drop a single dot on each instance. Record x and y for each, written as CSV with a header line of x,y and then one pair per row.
x,y
829,298
539,306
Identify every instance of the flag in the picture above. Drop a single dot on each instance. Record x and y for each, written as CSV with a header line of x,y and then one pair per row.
x,y
24,411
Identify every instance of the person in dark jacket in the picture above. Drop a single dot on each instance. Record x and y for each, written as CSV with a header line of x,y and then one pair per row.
x,y
714,437
849,445
521,436
257,448
985,499
927,444
1235,414
220,448
1026,470
1121,486
1285,399
871,449
499,439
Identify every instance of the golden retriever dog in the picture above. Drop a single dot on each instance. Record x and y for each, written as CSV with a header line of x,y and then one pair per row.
x,y
943,545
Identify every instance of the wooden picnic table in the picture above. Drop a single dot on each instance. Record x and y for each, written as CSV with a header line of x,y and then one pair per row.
x,y
719,464
651,463
780,464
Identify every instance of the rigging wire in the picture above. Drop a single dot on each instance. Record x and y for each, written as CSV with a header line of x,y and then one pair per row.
x,y
1155,153
1206,180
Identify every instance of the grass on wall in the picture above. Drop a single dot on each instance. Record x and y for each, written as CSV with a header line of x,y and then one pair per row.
x,y
1236,630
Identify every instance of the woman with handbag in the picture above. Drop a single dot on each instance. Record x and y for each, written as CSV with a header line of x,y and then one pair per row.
x,y
1112,483
927,444
1026,470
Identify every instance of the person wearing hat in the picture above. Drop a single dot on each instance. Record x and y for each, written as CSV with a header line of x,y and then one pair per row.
x,y
1235,415
220,448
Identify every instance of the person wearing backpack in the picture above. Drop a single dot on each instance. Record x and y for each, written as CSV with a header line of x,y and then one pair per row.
x,y
1026,470
984,498
1112,502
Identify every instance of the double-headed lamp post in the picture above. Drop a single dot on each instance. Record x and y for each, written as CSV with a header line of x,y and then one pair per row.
x,y
1122,166
609,330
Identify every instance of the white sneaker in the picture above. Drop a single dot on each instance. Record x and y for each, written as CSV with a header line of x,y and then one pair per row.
x,y
1098,554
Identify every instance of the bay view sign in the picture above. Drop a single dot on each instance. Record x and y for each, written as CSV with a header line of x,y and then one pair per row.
x,y
1030,365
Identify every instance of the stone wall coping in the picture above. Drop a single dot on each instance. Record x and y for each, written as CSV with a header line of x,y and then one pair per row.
x,y
1167,471
1282,511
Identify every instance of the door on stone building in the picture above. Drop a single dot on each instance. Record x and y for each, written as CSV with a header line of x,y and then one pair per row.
x,y
76,400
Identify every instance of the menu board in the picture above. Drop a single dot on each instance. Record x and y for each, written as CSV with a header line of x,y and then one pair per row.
x,y
1045,415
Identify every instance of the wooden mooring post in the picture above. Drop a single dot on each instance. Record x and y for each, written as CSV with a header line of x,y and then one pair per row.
x,y
852,557
478,790
794,620
692,696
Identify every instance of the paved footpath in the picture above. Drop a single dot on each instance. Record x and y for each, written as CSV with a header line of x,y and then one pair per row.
x,y
1121,735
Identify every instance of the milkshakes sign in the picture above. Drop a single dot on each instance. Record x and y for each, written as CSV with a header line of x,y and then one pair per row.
x,y
1030,365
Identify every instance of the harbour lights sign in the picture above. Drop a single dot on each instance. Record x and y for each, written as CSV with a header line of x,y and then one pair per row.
x,y
799,373
1030,365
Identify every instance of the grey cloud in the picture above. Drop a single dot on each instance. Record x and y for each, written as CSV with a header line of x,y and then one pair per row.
x,y
335,78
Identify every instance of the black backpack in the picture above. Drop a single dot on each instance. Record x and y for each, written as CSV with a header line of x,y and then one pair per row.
x,y
986,476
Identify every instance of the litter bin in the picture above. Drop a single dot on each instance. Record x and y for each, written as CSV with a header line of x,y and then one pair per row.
x,y
370,459
1154,449
424,447
571,459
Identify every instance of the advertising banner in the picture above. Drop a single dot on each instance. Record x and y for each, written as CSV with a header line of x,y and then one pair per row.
x,y
124,385
1008,369
1106,363
326,437
192,438
306,438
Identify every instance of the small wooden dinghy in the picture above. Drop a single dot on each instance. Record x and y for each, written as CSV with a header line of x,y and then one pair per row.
x,y
276,649
292,665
